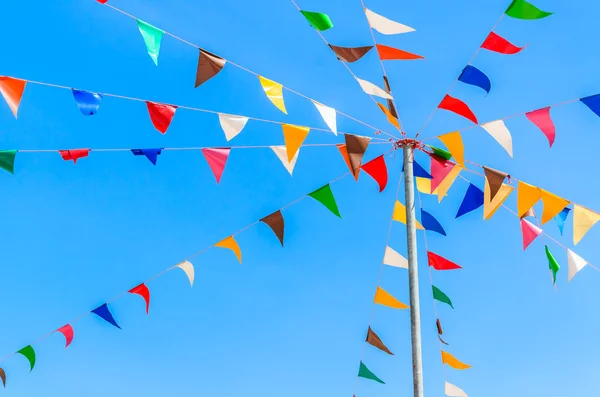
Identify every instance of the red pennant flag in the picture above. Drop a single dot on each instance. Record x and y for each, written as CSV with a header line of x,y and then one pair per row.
x,y
378,171
67,332
459,107
499,44
393,54
74,154
541,118
216,159
102,1
440,168
12,91
440,263
161,115
144,292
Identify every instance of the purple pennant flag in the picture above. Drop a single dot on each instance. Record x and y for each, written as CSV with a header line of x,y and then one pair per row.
x,y
151,154
105,314
88,102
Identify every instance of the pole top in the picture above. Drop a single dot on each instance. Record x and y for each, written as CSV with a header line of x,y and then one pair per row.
x,y
414,143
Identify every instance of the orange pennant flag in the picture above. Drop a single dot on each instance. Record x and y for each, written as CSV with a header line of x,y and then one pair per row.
x,y
231,244
453,362
527,196
12,91
387,53
293,136
344,152
553,205
393,120
382,297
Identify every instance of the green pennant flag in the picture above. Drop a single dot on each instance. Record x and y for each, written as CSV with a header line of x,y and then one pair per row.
x,y
7,160
441,152
366,373
152,37
440,296
318,20
29,354
324,196
553,264
521,9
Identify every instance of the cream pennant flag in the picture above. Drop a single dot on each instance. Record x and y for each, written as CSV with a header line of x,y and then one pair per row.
x,y
583,220
576,263
372,89
490,207
386,26
454,391
553,205
281,153
392,258
497,129
294,136
231,244
188,268
232,125
329,116
274,92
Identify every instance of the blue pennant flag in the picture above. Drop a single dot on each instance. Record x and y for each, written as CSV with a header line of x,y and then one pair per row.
x,y
561,218
473,199
473,76
88,102
430,223
105,314
419,171
592,102
151,154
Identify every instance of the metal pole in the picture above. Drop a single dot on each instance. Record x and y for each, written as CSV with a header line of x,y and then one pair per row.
x,y
413,271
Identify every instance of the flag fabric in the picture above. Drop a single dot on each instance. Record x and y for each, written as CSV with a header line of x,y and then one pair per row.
x,y
430,223
151,154
393,120
440,263
7,160
494,179
445,154
473,200
576,263
593,103
216,159
419,171
273,91
393,258
529,232
350,54
364,372
387,53
188,269
29,354
324,195
440,296
384,25
161,115
374,340
276,223
231,244
473,76
318,20
521,9
87,102
143,291
209,65
152,38
541,118
74,154
232,125
390,103
344,152
281,153
497,129
496,43
561,218
377,169
400,215
329,116
453,391
293,136
371,89
440,169
459,107
583,221
68,333
553,205
491,206
453,362
552,264
3,377
12,90
384,298
454,143
356,147
527,196
104,313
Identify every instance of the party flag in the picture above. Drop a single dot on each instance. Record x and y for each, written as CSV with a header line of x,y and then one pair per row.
x,y
102,1
143,291
430,223
576,263
104,313
74,154
232,125
188,269
553,205
583,220
275,222
7,160
438,325
374,340
473,199
419,171
3,377
151,154
400,215
384,25
457,106
552,264
453,391
454,143
281,153
499,44
494,179
152,37
497,129
87,102
561,218
440,296
12,91
366,373
29,354
318,20
68,333
344,152
377,169
209,65
329,116
393,258
541,118
491,206
527,196
446,184
530,214
293,136
390,118
392,109
371,89
274,92
529,232
384,298
216,158
473,76
593,103
423,185
350,54
440,263
440,169
324,195
387,53
521,9
356,146
444,154
453,362
231,244
161,115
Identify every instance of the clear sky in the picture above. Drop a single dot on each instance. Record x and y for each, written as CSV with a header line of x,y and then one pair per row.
x,y
288,322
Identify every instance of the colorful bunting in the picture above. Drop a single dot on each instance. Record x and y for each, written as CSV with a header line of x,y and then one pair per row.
x,y
521,9
400,215
440,296
216,159
529,232
68,333
593,103
527,196
371,89
151,154
329,116
152,37
438,325
553,205
430,223
274,92
231,244
419,171
374,340
454,143
459,107
530,214
561,218
576,263
393,258
387,53
453,362
583,220
7,160
318,20
384,298
440,263
324,195
440,169
423,185
473,200
497,129
87,102
74,154
161,115
232,125
350,54
448,181
377,169
29,354
494,179
499,44
392,109
384,25
390,118
552,264
453,391
473,76
104,313
356,146
143,291
281,153
293,136
12,91
188,269
344,152
541,118
366,373
491,206
209,65
446,155
275,222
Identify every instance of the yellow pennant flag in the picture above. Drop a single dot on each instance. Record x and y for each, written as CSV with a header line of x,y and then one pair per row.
x,y
583,220
490,207
231,244
393,121
527,196
423,185
400,215
454,143
453,362
293,136
382,297
274,92
446,184
553,205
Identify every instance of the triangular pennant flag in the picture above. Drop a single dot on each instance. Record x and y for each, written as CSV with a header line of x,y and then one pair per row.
x,y
541,118
356,147
393,258
459,107
473,200
143,291
440,169
447,183
419,171
152,37
371,89
391,119
68,333
423,185
377,169
29,354
344,152
104,313
521,9
390,103
274,92
188,269
499,44
87,102
438,325
527,196
275,222
491,206
561,218
209,65
454,143
583,220
74,154
366,373
329,116
576,263
444,154
454,391
151,154
318,20
529,232
440,296
161,115
593,103
293,136
3,377
384,298
530,214
324,195
552,264
400,215
350,54
281,153
12,91
374,340
216,159
232,125
7,160
473,76
231,244
453,362
387,53
384,25
440,263
430,223
553,205
497,129
494,179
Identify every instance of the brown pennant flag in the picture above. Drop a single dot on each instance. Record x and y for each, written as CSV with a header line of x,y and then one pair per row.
x,y
350,54
3,376
344,152
356,147
391,107
275,222
530,212
495,179
209,65
374,340
438,324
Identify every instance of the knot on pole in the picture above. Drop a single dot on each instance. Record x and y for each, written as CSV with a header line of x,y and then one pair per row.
x,y
414,143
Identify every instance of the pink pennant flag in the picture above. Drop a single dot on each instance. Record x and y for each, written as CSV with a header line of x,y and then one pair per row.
x,y
161,115
216,159
530,232
440,168
67,332
541,118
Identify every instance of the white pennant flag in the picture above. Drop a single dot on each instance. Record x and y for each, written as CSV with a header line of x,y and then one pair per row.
x,y
281,152
454,391
232,125
497,129
384,25
372,89
576,263
329,115
392,258
188,268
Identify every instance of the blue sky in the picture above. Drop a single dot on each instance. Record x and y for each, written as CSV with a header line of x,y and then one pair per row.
x,y
288,321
